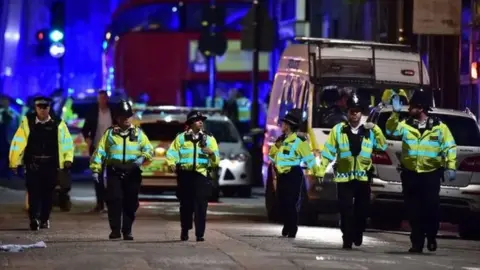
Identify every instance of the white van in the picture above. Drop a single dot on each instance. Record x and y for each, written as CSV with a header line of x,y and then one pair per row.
x,y
313,75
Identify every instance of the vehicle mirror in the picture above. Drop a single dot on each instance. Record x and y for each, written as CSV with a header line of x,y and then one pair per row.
x,y
247,139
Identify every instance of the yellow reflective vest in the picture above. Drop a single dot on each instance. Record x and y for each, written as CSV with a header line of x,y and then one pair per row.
x,y
294,149
349,167
121,150
20,139
243,107
426,152
217,103
189,156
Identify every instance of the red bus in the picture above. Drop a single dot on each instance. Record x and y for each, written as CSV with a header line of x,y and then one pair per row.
x,y
151,46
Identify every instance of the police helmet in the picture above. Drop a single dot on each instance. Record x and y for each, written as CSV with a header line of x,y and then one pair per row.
x,y
421,98
124,108
194,116
293,117
353,102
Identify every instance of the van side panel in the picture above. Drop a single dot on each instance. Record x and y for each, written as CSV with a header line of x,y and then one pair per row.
x,y
275,96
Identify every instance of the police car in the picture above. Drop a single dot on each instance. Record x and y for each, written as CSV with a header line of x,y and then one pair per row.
x,y
163,123
459,199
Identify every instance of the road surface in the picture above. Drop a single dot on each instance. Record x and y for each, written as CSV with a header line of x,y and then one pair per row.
x,y
237,237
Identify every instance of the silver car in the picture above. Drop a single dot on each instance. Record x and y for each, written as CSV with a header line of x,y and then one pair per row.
x,y
234,175
459,199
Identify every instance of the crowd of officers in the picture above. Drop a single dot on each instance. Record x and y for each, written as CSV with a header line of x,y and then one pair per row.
x,y
44,146
428,150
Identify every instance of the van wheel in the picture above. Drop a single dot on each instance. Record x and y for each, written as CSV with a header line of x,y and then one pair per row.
x,y
271,200
308,215
245,192
469,230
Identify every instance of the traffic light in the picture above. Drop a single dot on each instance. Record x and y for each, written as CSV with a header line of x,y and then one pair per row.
x,y
56,35
57,26
212,42
43,42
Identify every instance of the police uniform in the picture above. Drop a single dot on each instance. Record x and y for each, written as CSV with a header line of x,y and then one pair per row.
x,y
45,147
193,168
427,149
123,151
287,154
352,148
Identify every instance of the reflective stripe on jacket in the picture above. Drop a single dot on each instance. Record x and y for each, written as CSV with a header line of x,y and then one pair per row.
x,y
293,151
189,156
337,147
243,105
426,152
114,148
19,143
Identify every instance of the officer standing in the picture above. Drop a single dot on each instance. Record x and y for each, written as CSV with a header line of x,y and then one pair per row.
x,y
288,152
351,144
427,146
193,154
46,146
124,148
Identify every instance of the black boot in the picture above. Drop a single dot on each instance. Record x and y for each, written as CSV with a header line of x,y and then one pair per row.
x,y
293,232
284,231
347,243
128,236
200,239
115,235
432,244
415,250
34,225
184,235
358,239
45,224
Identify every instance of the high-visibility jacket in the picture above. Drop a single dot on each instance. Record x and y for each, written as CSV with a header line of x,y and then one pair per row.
x,y
243,106
116,149
217,104
389,93
349,167
67,111
188,155
19,143
426,152
294,149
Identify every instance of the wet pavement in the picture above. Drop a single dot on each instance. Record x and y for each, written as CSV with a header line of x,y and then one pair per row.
x,y
237,237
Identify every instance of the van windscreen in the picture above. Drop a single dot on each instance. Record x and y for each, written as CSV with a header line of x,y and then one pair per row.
x,y
329,102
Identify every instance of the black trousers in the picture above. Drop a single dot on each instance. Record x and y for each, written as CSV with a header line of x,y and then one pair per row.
x,y
40,180
354,204
421,193
100,192
193,191
122,198
289,191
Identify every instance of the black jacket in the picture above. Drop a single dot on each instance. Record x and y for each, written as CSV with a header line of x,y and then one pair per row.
x,y
89,129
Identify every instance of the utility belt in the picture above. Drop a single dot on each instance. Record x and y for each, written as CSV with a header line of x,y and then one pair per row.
x,y
33,162
122,172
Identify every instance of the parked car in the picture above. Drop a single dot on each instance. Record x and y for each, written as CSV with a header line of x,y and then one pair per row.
x,y
459,199
163,123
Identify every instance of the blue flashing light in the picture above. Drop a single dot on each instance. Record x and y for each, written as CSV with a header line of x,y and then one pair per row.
x,y
105,45
174,9
111,70
56,36
19,101
71,91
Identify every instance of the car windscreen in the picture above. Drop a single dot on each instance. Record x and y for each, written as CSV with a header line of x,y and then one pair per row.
x,y
464,129
330,102
223,131
162,130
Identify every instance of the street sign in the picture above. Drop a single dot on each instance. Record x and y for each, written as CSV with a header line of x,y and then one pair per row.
x,y
437,17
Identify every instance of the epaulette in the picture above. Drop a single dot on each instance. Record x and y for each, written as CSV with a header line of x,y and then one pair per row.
x,y
302,136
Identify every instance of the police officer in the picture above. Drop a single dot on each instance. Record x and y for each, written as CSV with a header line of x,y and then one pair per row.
x,y
124,148
427,146
193,154
46,146
288,152
351,143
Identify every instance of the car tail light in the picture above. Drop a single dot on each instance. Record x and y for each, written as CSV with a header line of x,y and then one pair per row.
x,y
238,157
470,164
381,158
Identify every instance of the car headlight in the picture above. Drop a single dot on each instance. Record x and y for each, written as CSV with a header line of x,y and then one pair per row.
x,y
160,152
238,157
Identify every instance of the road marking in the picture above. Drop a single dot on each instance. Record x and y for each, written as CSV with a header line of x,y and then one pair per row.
x,y
471,268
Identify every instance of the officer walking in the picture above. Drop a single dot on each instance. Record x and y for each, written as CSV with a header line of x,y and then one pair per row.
x,y
351,143
46,146
123,148
193,154
288,152
427,146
